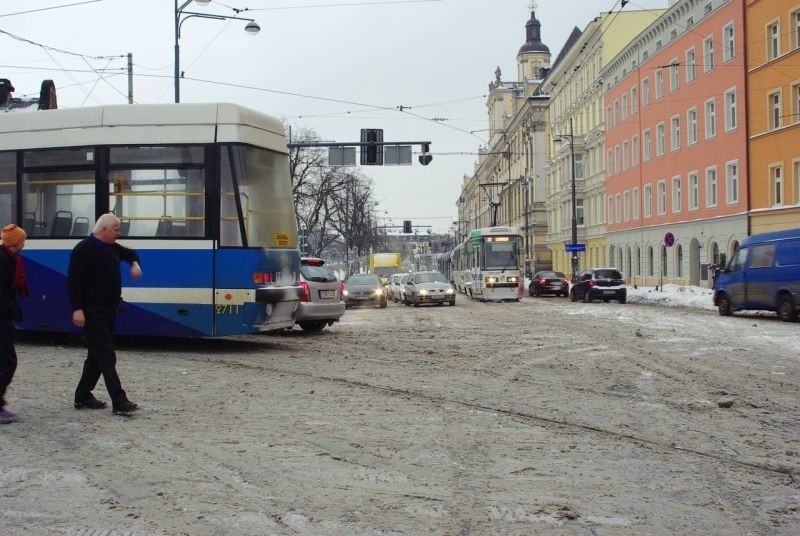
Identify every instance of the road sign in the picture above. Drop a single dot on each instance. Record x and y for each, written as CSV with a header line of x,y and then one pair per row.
x,y
574,247
669,240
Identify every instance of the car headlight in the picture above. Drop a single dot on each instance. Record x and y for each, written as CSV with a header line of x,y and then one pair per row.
x,y
379,292
449,291
345,293
423,292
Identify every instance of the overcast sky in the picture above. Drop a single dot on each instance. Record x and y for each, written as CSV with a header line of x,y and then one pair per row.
x,y
335,66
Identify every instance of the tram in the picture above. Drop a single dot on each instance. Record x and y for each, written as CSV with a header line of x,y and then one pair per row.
x,y
204,195
487,266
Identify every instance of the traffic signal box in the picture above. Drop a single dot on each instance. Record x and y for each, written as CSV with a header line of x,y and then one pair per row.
x,y
372,155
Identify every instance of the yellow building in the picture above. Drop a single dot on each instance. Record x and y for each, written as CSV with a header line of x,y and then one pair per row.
x,y
773,108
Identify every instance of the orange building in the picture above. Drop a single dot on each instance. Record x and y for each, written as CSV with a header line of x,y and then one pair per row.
x,y
676,144
773,104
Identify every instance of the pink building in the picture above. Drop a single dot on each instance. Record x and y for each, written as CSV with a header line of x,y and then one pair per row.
x,y
675,144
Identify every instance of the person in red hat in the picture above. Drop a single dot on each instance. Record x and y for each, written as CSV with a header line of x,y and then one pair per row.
x,y
12,282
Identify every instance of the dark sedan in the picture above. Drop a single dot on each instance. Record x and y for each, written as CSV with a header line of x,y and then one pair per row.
x,y
547,282
364,289
599,284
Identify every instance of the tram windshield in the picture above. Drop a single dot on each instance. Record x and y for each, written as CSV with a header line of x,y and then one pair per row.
x,y
500,253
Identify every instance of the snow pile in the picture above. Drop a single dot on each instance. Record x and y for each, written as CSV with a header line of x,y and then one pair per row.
x,y
673,295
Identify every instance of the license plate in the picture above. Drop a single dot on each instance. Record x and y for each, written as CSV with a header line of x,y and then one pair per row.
x,y
327,294
609,292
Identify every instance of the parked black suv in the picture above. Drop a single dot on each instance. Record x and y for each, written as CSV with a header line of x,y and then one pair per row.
x,y
599,284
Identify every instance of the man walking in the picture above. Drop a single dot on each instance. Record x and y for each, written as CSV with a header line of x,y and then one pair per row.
x,y
12,282
95,290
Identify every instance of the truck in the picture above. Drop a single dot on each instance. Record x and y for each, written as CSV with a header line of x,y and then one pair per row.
x,y
384,265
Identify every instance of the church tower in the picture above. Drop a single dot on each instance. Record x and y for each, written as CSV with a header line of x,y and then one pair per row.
x,y
533,58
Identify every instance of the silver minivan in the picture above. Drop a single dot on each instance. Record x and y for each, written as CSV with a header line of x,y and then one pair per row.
x,y
321,303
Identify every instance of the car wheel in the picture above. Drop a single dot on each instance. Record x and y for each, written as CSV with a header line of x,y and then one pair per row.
x,y
572,296
452,303
586,297
416,303
724,305
786,310
530,291
623,299
312,326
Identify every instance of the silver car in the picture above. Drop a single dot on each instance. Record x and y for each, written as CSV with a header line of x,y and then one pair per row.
x,y
321,303
397,285
429,287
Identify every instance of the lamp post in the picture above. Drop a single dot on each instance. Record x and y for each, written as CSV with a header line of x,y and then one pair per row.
x,y
181,15
570,138
526,184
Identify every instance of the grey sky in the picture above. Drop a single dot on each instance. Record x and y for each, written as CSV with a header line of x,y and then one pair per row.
x,y
334,69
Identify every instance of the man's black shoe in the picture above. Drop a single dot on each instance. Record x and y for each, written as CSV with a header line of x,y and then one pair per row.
x,y
126,408
90,403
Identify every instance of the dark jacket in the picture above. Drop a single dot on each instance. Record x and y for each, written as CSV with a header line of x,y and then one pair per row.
x,y
9,308
94,279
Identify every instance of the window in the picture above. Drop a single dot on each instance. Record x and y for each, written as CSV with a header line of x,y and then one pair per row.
x,y
694,191
776,184
775,120
609,118
678,261
579,212
626,151
711,187
691,65
610,209
662,198
635,151
711,118
617,117
624,106
708,54
796,32
659,83
646,146
674,75
648,201
730,109
646,92
796,103
732,181
617,166
578,165
610,163
691,126
634,100
660,139
677,194
618,208
635,199
676,133
796,166
8,190
626,205
689,22
773,40
728,43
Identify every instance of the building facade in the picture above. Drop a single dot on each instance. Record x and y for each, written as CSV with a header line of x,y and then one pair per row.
x,y
575,150
676,144
773,104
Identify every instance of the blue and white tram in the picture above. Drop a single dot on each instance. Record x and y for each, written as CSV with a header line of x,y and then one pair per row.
x,y
488,265
204,195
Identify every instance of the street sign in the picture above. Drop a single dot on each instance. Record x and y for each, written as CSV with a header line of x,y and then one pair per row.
x,y
574,247
669,240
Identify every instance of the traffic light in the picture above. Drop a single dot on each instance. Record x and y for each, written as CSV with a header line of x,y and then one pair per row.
x,y
372,154
407,226
425,158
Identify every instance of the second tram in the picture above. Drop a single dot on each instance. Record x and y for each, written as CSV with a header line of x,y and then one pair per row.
x,y
488,264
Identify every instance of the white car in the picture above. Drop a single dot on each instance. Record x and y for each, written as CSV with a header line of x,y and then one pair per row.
x,y
397,285
428,287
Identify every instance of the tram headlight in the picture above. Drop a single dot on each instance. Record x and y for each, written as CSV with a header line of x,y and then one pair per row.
x,y
491,280
513,279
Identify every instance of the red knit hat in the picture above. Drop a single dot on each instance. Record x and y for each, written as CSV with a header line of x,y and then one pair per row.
x,y
13,235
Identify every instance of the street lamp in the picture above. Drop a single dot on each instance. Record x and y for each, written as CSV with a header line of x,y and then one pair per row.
x,y
571,139
181,15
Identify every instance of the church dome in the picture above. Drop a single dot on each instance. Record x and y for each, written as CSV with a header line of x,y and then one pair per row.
x,y
533,37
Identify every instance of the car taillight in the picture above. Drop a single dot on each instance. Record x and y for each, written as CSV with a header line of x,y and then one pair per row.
x,y
341,290
306,297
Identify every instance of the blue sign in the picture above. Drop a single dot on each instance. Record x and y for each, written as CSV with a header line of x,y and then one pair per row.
x,y
574,247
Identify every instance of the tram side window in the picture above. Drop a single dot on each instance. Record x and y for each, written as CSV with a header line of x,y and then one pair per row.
x,y
158,191
264,206
8,189
58,188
